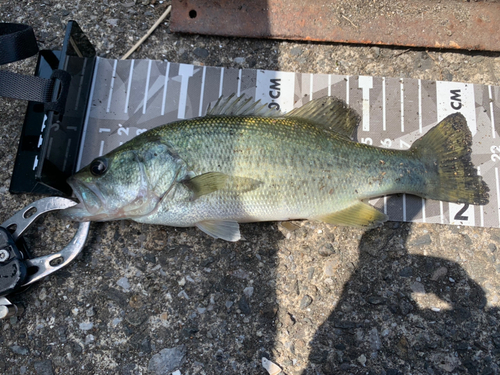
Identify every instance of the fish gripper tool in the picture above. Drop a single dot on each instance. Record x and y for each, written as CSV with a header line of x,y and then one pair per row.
x,y
17,268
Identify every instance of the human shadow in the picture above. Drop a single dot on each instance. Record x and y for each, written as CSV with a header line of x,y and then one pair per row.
x,y
378,326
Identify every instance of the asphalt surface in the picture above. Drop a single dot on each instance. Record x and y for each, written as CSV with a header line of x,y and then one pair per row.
x,y
400,299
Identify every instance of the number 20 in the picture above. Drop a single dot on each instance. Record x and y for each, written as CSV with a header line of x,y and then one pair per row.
x,y
123,131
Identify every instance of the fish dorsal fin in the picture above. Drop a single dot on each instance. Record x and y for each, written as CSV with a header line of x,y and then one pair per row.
x,y
233,105
359,214
331,114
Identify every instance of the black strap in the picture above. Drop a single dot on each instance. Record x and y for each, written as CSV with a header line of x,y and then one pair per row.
x,y
18,42
17,86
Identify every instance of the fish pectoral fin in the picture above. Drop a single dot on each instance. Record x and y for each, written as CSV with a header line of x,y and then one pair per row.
x,y
228,230
206,183
358,215
212,181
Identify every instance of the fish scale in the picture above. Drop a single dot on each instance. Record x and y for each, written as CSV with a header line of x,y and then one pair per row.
x,y
216,171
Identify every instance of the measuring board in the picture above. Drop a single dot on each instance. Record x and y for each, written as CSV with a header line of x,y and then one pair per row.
x,y
129,97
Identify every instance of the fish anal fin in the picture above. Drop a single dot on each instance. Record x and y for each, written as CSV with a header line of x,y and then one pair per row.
x,y
228,230
358,215
330,114
289,225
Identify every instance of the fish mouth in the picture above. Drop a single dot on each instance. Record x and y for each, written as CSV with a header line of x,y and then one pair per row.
x,y
90,203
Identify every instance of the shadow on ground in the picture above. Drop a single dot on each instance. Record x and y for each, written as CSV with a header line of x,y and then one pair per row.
x,y
402,313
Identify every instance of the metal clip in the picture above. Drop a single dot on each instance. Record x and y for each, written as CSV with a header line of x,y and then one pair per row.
x,y
8,309
21,270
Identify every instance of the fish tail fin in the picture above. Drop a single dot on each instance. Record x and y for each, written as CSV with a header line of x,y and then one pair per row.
x,y
446,151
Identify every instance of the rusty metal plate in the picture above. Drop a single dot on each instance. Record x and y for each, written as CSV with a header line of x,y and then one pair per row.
x,y
417,23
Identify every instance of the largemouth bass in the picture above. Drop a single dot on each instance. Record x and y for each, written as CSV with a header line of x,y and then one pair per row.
x,y
244,163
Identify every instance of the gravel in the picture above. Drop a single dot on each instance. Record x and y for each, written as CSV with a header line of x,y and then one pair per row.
x,y
318,299
21,350
43,367
167,360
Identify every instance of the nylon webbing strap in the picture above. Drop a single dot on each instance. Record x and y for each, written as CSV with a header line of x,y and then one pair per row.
x,y
18,42
23,87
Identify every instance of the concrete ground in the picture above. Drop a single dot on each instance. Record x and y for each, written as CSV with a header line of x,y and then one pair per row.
x,y
400,299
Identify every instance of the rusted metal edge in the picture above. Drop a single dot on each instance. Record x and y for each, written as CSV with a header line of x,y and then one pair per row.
x,y
424,23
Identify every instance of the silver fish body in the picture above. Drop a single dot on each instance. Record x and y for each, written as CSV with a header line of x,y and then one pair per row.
x,y
243,164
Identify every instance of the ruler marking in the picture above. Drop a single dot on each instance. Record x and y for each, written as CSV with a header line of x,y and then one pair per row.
x,y
185,72
311,86
347,90
221,84
366,84
420,106
481,208
200,112
404,207
79,94
384,114
146,90
165,89
113,75
101,149
402,98
129,85
490,94
87,115
68,145
238,90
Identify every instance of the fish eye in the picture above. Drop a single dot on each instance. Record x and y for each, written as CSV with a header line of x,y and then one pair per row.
x,y
99,166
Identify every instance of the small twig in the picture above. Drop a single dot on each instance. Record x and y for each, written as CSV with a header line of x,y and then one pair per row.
x,y
400,53
432,58
150,31
352,23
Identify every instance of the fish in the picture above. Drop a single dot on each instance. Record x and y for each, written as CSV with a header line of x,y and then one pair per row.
x,y
243,162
